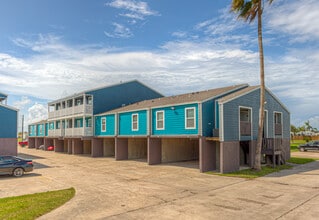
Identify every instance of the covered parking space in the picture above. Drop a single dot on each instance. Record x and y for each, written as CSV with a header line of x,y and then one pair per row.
x,y
103,147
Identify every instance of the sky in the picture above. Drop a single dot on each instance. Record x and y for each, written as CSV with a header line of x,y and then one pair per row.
x,y
51,49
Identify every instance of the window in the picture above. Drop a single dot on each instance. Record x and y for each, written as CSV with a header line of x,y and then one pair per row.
x,y
58,125
78,123
134,122
278,123
103,124
245,114
89,100
190,118
277,118
160,120
41,129
89,123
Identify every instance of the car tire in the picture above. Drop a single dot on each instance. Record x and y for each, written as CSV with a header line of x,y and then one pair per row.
x,y
17,172
302,149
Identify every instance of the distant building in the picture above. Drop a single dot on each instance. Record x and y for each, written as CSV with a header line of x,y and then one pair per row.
x,y
8,127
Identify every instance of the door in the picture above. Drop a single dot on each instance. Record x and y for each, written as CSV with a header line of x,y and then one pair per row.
x,y
6,165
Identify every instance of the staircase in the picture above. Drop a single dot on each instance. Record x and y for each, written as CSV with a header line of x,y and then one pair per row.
x,y
272,148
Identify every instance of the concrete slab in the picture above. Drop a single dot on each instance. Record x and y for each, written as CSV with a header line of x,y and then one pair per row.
x,y
111,189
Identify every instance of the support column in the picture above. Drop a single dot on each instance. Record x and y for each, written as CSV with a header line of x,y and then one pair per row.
x,y
70,148
121,148
154,151
207,155
229,156
58,145
97,147
31,142
77,146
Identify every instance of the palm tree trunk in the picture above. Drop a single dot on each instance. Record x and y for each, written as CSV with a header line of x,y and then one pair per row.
x,y
257,164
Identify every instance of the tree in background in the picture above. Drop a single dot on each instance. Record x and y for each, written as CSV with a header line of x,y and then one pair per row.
x,y
249,10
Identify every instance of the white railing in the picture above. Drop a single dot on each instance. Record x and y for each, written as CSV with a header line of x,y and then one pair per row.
x,y
80,109
71,132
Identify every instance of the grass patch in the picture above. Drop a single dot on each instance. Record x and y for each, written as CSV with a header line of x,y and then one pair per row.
x,y
297,160
251,174
294,145
34,205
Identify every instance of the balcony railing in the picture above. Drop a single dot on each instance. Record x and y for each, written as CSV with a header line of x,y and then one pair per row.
x,y
79,109
72,132
245,128
271,145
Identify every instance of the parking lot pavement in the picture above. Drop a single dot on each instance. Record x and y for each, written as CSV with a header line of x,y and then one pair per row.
x,y
109,189
306,154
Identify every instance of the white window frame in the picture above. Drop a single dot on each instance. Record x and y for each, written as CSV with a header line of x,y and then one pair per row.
x,y
89,123
194,109
135,129
281,122
157,120
103,119
250,118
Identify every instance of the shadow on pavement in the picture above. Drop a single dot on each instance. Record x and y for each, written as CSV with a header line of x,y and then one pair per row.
x,y
29,156
301,169
26,175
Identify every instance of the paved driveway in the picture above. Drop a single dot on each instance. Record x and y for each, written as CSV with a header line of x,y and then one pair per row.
x,y
108,189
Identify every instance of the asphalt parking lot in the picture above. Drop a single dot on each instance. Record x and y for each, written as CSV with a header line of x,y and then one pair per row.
x,y
109,189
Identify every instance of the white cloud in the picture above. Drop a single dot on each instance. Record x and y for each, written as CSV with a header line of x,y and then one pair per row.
x,y
120,31
36,113
21,104
139,9
297,18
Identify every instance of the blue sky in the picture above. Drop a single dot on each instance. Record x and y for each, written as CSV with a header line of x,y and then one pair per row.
x,y
50,49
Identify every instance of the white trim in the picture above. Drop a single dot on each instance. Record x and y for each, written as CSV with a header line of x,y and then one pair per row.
x,y
235,89
267,119
273,95
135,129
221,122
251,121
200,119
9,107
156,119
282,124
103,130
185,114
236,97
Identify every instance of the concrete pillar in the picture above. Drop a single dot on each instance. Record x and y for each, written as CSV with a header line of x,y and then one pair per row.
x,y
77,146
108,147
154,151
229,156
58,145
121,148
70,146
8,146
97,147
207,155
38,142
48,142
31,142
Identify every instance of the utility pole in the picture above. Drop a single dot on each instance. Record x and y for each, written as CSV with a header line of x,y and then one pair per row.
x,y
22,127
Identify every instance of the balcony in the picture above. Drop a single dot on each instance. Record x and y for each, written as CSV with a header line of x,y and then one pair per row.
x,y
75,132
75,110
245,128
56,133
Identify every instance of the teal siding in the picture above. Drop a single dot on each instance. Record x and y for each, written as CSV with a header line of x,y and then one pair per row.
x,y
78,123
174,119
32,131
110,125
125,123
46,129
231,116
40,130
208,118
8,122
51,125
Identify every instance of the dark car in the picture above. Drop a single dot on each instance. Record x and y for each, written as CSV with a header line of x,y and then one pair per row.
x,y
15,166
311,145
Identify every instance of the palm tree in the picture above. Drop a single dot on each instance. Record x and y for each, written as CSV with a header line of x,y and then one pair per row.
x,y
248,10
